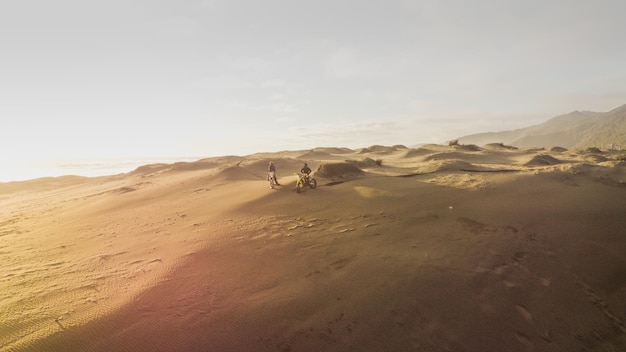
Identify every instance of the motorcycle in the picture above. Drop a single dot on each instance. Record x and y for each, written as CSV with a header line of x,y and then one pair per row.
x,y
271,178
303,181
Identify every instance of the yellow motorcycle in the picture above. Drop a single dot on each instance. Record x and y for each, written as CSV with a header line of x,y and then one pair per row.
x,y
305,180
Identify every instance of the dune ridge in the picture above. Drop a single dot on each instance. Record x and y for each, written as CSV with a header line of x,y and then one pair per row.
x,y
436,248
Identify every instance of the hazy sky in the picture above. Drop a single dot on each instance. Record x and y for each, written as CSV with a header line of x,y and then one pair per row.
x,y
204,78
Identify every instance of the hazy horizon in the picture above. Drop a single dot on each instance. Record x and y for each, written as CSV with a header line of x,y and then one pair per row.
x,y
146,79
86,167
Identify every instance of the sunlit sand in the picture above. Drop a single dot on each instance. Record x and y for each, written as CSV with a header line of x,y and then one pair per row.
x,y
438,248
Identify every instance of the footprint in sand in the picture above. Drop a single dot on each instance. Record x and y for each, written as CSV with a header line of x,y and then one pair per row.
x,y
500,269
525,340
523,312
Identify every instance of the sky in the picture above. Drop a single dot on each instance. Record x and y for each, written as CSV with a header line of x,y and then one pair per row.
x,y
155,78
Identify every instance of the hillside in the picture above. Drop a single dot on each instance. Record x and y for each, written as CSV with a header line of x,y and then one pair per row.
x,y
578,129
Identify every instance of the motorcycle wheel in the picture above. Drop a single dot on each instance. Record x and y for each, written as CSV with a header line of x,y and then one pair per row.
x,y
298,187
312,183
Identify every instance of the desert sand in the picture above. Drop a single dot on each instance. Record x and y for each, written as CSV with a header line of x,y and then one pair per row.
x,y
437,248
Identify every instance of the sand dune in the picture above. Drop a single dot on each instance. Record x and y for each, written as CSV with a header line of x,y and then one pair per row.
x,y
441,248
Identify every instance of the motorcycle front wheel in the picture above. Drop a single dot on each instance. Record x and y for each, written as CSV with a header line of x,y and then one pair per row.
x,y
312,183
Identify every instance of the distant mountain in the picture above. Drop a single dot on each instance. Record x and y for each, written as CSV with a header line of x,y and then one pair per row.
x,y
578,129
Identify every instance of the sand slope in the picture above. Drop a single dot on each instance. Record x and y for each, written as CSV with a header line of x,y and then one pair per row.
x,y
432,249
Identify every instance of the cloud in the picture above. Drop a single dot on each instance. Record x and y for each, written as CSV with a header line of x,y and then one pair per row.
x,y
356,134
208,4
224,82
234,104
248,63
273,83
347,63
277,96
278,107
180,26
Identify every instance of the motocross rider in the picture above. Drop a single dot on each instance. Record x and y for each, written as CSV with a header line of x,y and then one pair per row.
x,y
306,171
271,172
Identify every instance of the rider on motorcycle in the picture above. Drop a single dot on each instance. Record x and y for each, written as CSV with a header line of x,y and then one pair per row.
x,y
306,171
271,172
305,179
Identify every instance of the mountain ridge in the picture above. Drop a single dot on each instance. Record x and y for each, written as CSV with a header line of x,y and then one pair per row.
x,y
577,129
